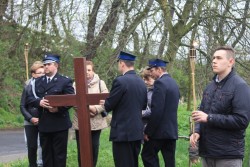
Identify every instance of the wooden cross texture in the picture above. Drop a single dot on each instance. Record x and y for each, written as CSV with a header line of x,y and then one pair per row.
x,y
81,100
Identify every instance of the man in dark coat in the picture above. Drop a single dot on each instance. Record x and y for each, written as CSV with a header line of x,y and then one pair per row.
x,y
54,122
128,97
161,131
223,115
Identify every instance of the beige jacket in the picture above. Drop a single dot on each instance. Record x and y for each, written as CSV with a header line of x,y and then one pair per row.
x,y
97,122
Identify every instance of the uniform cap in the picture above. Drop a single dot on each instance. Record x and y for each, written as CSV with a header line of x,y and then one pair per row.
x,y
51,58
156,63
126,56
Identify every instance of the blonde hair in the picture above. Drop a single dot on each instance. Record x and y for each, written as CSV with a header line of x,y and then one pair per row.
x,y
36,65
88,62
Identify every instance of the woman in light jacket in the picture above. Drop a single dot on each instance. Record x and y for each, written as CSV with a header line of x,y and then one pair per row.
x,y
31,118
97,113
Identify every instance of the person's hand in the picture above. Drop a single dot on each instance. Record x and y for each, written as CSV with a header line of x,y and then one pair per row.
x,y
93,111
102,102
146,138
45,103
34,120
193,139
199,116
53,109
195,160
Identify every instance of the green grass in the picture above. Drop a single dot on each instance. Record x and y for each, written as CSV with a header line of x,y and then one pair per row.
x,y
247,148
105,158
10,120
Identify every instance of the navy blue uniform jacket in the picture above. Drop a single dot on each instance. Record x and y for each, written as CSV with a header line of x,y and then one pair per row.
x,y
163,120
127,99
52,122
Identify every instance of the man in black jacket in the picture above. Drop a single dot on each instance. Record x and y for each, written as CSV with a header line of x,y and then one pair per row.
x,y
128,97
54,122
161,131
223,115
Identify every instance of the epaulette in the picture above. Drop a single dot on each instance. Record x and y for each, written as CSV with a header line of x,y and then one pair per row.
x,y
64,76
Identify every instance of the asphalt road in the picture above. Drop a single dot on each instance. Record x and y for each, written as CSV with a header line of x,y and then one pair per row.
x,y
12,145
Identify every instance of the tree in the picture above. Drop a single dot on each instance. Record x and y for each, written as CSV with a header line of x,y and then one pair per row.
x,y
99,29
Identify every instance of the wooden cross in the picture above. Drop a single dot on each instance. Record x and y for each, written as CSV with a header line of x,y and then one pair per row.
x,y
81,100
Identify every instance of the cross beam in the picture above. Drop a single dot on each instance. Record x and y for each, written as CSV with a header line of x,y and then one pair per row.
x,y
81,100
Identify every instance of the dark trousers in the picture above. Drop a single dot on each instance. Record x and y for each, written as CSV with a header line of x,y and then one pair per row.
x,y
31,132
95,134
152,147
126,153
54,148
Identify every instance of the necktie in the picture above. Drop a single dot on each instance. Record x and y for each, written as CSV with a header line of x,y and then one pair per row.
x,y
48,81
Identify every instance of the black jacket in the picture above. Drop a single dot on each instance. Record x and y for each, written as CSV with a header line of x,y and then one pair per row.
x,y
28,111
52,122
127,99
228,105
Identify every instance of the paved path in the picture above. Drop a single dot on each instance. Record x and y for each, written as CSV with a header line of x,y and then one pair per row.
x,y
12,145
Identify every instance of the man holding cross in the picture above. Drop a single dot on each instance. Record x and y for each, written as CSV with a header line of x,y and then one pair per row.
x,y
54,121
128,97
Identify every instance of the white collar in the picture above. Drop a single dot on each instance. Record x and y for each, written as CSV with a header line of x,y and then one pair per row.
x,y
50,77
217,79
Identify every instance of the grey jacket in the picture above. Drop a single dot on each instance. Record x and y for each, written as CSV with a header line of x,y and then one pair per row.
x,y
146,113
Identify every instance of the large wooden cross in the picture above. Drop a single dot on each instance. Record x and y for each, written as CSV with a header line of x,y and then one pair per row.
x,y
81,100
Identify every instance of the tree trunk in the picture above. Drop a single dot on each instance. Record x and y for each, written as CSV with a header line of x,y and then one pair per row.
x,y
93,43
44,21
52,15
129,29
3,8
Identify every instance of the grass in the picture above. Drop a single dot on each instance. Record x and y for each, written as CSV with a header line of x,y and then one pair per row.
x,y
10,120
105,158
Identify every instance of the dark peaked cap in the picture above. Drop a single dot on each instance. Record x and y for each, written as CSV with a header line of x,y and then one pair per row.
x,y
50,58
126,56
156,63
